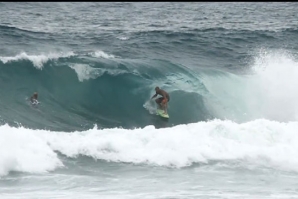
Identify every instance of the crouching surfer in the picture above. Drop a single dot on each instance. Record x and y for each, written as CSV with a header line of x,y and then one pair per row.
x,y
162,101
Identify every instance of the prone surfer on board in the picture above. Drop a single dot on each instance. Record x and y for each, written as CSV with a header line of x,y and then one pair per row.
x,y
34,97
162,101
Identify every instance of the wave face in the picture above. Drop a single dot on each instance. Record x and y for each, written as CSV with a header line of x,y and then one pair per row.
x,y
79,90
83,89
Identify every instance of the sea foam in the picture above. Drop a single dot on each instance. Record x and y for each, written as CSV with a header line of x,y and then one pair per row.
x,y
260,142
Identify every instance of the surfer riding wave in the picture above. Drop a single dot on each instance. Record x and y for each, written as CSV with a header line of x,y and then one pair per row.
x,y
162,101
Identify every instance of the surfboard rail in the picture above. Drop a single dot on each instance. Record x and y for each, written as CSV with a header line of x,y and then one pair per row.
x,y
161,113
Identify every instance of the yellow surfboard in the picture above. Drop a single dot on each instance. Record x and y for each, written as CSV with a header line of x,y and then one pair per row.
x,y
161,113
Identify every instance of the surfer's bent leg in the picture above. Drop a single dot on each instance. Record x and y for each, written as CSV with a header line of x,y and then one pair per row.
x,y
158,101
164,103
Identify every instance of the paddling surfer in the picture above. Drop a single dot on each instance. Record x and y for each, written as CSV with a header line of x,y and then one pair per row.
x,y
33,98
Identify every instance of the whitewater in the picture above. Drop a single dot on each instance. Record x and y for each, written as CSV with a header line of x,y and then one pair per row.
x,y
258,143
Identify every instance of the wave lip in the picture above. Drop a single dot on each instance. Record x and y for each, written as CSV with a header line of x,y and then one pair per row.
x,y
37,60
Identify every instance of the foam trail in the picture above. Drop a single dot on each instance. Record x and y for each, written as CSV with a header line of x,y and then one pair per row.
x,y
150,106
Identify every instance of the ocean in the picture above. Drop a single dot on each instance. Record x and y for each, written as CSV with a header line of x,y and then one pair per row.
x,y
230,69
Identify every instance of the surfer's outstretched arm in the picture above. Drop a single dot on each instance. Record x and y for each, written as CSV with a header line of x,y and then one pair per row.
x,y
154,96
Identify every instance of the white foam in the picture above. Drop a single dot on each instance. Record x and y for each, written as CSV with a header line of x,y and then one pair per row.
x,y
101,54
37,60
85,72
22,150
269,92
276,84
150,106
123,38
259,142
